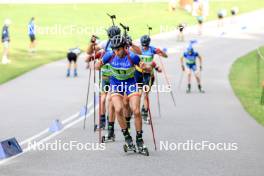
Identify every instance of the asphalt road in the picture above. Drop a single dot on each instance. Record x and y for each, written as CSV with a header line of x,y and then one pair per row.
x,y
30,102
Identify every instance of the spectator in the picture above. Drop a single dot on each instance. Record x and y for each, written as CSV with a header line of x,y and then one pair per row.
x,y
32,35
6,41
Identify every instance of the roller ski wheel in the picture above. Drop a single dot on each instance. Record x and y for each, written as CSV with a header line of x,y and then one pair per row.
x,y
143,150
128,148
97,129
202,91
106,139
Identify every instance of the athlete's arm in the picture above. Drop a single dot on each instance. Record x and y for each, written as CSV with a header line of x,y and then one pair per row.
x,y
105,59
93,46
135,49
160,53
135,58
156,66
200,61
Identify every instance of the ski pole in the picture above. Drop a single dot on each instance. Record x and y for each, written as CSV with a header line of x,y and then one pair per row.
x,y
149,112
113,17
149,29
158,97
94,81
87,97
99,113
167,80
126,29
151,124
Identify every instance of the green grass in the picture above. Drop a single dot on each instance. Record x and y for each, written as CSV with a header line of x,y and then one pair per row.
x,y
244,80
53,47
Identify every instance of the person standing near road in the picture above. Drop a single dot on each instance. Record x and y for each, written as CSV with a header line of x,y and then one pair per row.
x,y
6,41
72,56
221,14
200,19
32,35
181,35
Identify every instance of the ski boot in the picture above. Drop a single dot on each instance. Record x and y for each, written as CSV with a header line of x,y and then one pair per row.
x,y
102,124
200,89
142,149
188,89
75,73
129,146
111,134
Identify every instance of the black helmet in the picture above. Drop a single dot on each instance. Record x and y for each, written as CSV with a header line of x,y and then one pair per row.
x,y
118,41
112,31
145,40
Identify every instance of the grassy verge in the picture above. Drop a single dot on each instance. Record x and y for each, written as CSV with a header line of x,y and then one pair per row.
x,y
79,21
244,80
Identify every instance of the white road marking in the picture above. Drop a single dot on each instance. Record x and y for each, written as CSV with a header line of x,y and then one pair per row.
x,y
50,136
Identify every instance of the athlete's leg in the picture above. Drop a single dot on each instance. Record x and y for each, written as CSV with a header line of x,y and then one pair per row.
x,y
197,76
69,68
198,79
103,109
127,111
189,77
118,104
134,102
117,101
111,109
103,103
111,117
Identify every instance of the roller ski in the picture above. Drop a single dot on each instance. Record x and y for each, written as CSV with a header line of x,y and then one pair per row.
x,y
109,138
129,146
142,149
96,127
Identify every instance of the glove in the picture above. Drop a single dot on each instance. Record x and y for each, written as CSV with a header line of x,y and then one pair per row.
x,y
183,68
158,69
